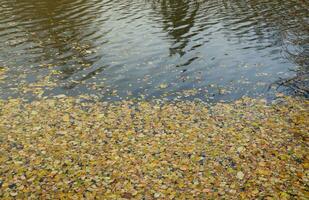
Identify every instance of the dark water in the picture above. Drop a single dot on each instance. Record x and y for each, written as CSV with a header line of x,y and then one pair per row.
x,y
152,48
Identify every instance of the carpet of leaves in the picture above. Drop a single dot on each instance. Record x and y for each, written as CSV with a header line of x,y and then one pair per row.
x,y
67,148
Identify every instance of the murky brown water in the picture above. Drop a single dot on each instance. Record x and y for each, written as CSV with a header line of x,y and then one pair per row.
x,y
155,48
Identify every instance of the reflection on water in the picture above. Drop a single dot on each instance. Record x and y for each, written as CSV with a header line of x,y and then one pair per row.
x,y
154,48
178,18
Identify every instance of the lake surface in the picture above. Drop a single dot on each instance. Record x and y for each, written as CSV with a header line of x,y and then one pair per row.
x,y
118,49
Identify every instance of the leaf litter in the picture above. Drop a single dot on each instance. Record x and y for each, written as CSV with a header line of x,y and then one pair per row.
x,y
68,148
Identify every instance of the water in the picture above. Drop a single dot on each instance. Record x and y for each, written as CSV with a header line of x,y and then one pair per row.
x,y
214,50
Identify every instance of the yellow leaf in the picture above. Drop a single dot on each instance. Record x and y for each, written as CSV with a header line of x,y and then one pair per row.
x,y
263,172
66,118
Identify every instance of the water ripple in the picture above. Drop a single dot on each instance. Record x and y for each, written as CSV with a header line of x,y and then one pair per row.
x,y
137,45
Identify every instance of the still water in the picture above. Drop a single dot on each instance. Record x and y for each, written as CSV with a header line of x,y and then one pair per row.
x,y
117,49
